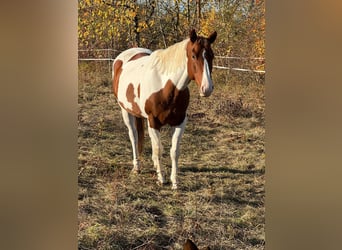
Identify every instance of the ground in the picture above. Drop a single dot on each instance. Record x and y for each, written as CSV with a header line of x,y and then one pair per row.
x,y
220,201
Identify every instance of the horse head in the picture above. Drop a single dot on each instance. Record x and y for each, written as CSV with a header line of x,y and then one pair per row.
x,y
200,61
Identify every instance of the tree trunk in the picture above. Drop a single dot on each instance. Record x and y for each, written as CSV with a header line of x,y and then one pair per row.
x,y
198,14
188,14
136,32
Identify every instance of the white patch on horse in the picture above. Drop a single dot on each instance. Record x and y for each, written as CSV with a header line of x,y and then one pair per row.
x,y
177,133
168,61
207,83
126,55
136,95
171,64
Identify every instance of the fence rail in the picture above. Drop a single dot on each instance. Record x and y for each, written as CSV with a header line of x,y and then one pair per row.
x,y
222,62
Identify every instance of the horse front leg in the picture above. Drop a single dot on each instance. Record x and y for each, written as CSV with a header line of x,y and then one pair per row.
x,y
133,136
157,150
177,132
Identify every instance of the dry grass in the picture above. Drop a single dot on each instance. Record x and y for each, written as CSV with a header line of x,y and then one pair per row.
x,y
220,200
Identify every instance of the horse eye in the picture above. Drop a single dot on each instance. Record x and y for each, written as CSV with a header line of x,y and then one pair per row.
x,y
193,57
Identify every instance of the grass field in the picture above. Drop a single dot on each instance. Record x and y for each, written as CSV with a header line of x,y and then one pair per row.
x,y
221,194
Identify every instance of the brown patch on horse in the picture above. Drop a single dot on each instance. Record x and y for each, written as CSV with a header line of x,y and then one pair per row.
x,y
137,56
117,68
139,90
122,105
190,66
130,98
167,106
139,124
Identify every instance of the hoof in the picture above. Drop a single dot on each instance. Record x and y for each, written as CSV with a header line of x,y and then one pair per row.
x,y
135,171
161,178
174,186
160,183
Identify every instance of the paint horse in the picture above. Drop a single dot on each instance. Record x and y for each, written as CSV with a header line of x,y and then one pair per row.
x,y
154,85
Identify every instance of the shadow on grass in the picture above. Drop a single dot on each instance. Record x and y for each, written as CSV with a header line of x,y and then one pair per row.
x,y
201,134
157,241
221,170
237,200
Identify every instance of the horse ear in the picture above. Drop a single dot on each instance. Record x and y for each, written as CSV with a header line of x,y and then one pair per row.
x,y
193,35
189,245
212,37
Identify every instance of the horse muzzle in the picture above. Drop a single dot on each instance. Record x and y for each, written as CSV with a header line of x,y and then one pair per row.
x,y
206,91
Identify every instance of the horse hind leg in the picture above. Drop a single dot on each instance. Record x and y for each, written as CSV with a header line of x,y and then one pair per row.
x,y
133,136
139,123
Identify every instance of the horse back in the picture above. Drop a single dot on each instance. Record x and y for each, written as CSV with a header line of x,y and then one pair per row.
x,y
129,54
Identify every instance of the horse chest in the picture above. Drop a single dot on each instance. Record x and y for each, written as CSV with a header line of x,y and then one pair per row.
x,y
167,106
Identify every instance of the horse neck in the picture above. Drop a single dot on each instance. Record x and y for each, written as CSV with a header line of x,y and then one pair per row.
x,y
172,62
184,79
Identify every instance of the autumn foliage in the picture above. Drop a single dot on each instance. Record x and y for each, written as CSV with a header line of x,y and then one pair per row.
x,y
157,24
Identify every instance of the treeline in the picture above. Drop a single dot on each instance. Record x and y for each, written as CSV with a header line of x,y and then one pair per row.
x,y
157,24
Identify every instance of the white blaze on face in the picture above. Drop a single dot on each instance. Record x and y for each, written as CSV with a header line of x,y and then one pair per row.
x,y
207,83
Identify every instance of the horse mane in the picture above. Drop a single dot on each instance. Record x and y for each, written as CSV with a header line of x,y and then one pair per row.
x,y
171,59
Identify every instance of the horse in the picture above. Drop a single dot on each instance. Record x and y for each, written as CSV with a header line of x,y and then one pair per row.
x,y
154,86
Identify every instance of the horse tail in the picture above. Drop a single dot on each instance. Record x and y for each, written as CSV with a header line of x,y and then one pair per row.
x,y
139,123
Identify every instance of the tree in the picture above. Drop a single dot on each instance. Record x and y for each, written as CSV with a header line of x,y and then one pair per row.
x,y
156,24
